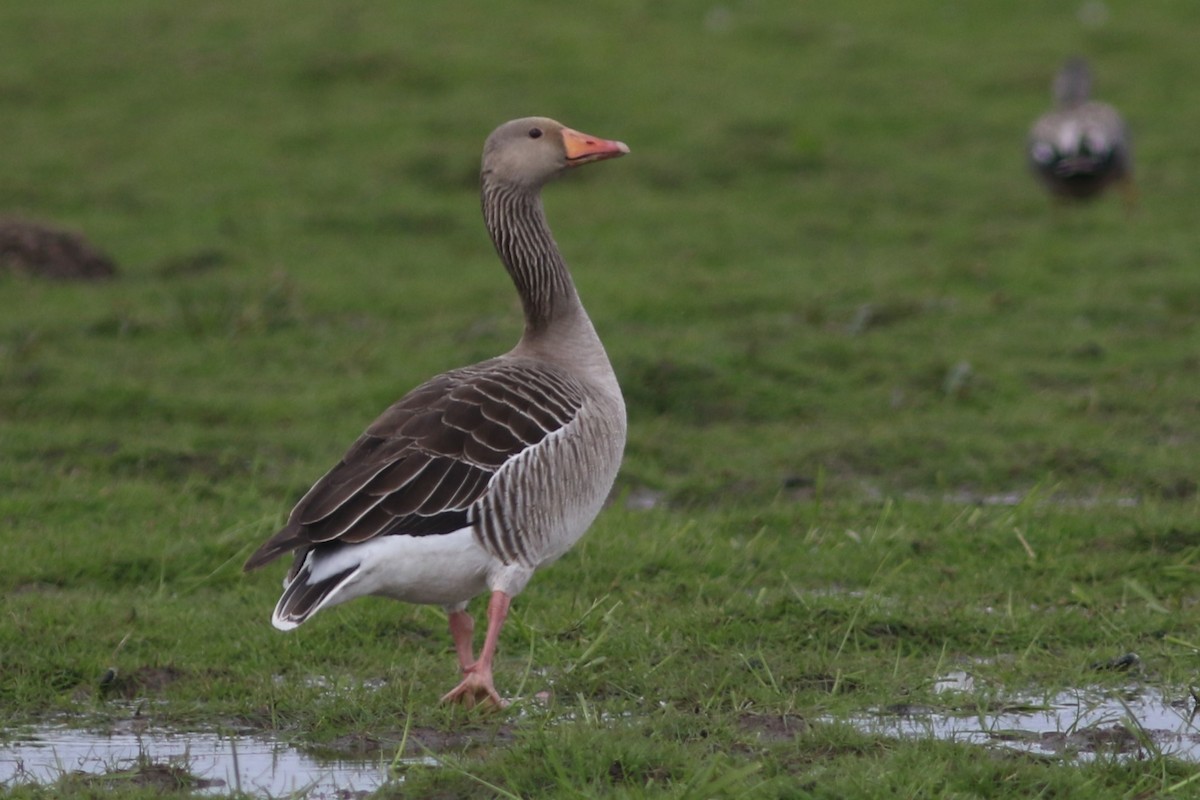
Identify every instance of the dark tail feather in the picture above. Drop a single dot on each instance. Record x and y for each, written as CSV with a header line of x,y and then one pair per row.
x,y
303,596
282,542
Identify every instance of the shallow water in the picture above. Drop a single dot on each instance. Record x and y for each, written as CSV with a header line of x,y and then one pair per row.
x,y
254,765
1077,723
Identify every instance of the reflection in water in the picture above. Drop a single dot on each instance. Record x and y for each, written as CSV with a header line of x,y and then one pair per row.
x,y
1078,723
252,765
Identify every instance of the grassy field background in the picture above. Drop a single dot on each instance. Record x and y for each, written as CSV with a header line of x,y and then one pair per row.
x,y
891,412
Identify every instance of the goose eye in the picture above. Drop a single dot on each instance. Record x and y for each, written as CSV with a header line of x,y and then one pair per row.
x,y
535,133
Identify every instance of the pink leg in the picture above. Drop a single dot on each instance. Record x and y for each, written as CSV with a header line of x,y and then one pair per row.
x,y
462,630
477,685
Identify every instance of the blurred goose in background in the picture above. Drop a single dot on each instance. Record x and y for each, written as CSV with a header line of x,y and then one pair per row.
x,y
483,474
39,249
1081,147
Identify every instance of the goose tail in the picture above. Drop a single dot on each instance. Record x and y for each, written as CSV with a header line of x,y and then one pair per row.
x,y
318,582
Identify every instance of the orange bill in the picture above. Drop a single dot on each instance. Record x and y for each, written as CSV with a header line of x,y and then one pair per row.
x,y
582,148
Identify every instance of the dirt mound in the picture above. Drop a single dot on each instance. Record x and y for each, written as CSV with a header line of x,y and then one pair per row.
x,y
32,248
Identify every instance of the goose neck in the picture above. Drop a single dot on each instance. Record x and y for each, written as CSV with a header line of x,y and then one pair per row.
x,y
517,225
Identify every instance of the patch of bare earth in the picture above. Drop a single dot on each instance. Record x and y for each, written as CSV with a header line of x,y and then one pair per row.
x,y
773,727
139,682
46,251
420,741
159,777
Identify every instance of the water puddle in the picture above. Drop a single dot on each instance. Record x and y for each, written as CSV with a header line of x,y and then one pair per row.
x,y
1078,723
209,763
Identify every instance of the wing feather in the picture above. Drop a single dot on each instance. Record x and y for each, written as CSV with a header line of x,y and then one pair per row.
x,y
370,525
414,496
351,514
399,473
423,467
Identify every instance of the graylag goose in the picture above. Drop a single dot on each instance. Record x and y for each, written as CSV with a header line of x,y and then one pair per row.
x,y
1081,147
483,474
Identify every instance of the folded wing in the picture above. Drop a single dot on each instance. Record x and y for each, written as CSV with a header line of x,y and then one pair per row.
x,y
425,464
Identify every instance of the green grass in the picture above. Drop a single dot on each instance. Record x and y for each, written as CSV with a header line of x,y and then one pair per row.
x,y
843,315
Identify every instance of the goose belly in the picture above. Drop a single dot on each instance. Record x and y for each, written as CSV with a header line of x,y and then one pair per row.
x,y
446,569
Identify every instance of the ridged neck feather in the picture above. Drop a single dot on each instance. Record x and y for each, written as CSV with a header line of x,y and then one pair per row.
x,y
517,224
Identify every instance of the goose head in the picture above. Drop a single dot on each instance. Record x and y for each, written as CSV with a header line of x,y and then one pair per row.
x,y
529,152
